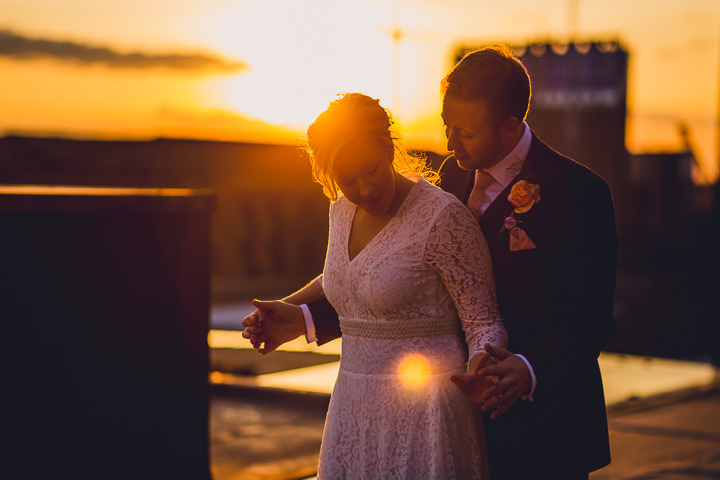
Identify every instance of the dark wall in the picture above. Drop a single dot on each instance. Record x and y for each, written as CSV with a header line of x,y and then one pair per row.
x,y
105,314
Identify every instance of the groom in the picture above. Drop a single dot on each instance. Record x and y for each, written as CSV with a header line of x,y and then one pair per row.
x,y
550,227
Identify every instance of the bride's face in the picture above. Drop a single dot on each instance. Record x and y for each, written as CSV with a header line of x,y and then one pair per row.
x,y
364,173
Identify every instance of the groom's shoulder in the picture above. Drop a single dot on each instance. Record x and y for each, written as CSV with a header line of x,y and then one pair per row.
x,y
567,181
564,169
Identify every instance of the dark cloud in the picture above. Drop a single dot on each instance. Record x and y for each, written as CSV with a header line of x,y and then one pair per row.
x,y
20,47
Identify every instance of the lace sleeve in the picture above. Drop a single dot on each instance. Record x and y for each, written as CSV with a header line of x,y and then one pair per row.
x,y
457,250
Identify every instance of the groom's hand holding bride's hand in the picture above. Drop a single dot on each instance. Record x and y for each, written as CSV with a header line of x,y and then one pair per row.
x,y
273,323
514,381
470,383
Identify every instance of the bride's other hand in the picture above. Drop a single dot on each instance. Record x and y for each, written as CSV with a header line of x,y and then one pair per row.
x,y
253,330
472,384
272,324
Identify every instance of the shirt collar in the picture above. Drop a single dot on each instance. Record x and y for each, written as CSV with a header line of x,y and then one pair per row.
x,y
509,167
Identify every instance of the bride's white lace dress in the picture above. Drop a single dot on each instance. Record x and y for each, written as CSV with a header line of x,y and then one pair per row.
x,y
394,413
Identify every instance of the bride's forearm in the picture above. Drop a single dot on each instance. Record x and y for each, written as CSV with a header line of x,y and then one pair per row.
x,y
309,293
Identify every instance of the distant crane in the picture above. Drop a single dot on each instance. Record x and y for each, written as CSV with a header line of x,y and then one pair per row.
x,y
397,35
573,7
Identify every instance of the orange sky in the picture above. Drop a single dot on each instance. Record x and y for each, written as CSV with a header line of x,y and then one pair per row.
x,y
260,70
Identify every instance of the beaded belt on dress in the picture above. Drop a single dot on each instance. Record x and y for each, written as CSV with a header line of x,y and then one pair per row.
x,y
425,327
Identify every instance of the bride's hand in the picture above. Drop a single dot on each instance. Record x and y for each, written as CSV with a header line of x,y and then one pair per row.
x,y
472,384
272,324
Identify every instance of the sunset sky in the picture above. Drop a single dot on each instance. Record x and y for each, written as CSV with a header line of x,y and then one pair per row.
x,y
260,70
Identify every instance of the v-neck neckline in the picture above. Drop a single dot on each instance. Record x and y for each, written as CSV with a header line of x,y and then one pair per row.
x,y
353,213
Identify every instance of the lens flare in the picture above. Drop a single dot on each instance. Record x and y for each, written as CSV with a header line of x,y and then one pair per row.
x,y
414,371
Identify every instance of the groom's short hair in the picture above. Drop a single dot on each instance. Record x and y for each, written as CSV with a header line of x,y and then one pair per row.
x,y
494,74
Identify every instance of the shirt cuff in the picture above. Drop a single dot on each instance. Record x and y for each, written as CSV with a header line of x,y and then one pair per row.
x,y
310,335
529,396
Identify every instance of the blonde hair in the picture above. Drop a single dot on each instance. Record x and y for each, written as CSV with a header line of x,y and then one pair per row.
x,y
347,117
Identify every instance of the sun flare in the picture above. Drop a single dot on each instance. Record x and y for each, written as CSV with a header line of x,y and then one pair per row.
x,y
297,68
414,371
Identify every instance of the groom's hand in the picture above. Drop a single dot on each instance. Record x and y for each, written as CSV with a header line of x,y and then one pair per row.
x,y
273,323
514,381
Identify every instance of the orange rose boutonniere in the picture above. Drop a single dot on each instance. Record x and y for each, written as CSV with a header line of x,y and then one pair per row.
x,y
523,195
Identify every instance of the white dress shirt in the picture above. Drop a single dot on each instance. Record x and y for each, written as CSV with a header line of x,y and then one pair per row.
x,y
506,169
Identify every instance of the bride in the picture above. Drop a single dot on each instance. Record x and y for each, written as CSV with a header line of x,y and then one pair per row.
x,y
409,273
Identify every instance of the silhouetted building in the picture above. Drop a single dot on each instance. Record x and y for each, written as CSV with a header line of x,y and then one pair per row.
x,y
660,206
269,230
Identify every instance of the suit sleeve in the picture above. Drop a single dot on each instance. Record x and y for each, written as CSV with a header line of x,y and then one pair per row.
x,y
583,296
325,318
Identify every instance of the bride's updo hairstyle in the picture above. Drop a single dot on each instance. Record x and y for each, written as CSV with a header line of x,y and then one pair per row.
x,y
349,117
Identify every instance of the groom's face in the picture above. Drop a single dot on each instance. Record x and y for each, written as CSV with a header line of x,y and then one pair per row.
x,y
472,133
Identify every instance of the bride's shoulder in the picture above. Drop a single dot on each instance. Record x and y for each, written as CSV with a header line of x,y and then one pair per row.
x,y
442,208
436,196
341,204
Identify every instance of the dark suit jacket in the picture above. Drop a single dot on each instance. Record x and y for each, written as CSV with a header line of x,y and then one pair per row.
x,y
557,304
